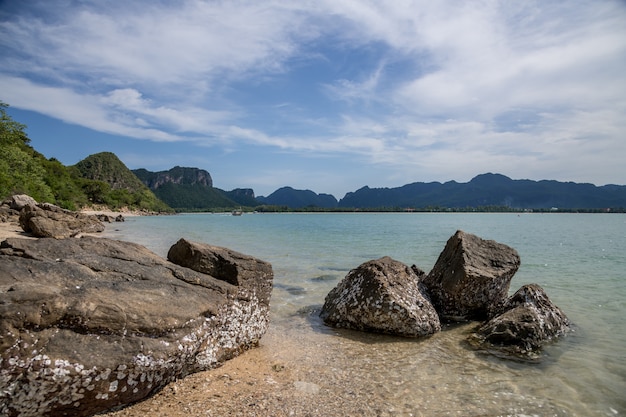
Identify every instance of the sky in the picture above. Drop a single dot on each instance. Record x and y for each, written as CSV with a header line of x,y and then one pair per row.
x,y
326,95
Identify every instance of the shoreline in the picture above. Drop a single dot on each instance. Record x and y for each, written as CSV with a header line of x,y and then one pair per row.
x,y
11,227
256,382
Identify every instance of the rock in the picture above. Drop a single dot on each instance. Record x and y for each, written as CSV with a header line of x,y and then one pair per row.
x,y
90,324
19,201
471,278
226,265
527,321
48,220
105,218
382,296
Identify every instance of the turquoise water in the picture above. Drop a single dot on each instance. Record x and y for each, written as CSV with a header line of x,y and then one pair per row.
x,y
579,259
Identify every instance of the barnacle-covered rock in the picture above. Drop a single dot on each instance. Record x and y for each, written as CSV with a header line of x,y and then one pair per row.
x,y
527,321
90,324
471,277
383,296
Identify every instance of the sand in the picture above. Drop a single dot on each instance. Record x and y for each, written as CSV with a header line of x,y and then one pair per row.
x,y
12,229
255,383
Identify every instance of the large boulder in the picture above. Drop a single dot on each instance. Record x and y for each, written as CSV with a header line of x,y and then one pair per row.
x,y
383,296
11,206
471,278
48,220
527,321
225,264
19,201
90,324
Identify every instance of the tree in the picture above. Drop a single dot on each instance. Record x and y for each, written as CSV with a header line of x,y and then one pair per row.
x,y
20,171
11,132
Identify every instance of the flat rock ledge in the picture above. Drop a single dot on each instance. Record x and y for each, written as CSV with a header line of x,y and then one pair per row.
x,y
469,282
91,324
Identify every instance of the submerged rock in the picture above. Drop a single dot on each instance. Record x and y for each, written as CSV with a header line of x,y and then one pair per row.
x,y
527,321
471,278
90,324
383,296
48,220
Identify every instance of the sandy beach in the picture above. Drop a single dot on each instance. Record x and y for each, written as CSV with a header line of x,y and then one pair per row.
x,y
12,229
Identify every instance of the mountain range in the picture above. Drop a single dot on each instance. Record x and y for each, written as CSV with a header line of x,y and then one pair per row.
x,y
192,188
485,190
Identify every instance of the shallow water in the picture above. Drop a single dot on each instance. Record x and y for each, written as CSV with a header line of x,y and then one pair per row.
x,y
579,259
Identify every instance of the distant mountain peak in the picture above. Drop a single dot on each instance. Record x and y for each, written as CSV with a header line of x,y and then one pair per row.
x,y
290,197
177,175
107,167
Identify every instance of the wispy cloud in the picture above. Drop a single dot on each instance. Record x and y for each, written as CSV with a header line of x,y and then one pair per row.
x,y
427,90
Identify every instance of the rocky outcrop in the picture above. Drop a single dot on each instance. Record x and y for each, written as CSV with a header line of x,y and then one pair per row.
x,y
177,175
90,324
382,296
470,281
47,220
527,321
11,206
471,278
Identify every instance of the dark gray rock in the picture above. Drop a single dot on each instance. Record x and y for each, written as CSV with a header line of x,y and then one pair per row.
x,y
382,296
48,220
471,278
226,265
527,321
90,324
105,218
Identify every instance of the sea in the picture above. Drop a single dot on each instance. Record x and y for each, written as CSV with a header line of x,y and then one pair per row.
x,y
579,260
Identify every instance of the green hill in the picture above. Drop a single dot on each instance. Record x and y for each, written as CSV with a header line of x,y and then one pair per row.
x,y
99,179
110,182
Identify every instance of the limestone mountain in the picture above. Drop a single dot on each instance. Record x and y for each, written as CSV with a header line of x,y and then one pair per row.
x,y
177,175
184,188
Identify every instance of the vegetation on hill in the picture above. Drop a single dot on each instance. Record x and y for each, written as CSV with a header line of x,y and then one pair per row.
x,y
186,189
490,190
108,181
23,170
287,196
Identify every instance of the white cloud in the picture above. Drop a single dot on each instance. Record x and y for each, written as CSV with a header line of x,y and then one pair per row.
x,y
481,85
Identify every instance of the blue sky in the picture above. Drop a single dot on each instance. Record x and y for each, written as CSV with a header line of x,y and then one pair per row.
x,y
327,95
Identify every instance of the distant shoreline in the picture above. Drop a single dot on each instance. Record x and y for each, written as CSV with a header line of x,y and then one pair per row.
x,y
12,228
